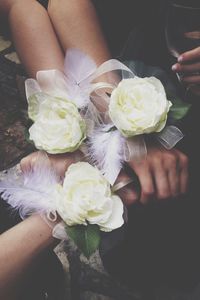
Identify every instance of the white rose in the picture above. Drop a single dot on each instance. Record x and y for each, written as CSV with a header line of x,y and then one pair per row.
x,y
58,126
138,106
86,198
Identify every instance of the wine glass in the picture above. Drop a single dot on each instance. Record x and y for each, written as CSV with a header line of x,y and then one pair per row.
x,y
182,31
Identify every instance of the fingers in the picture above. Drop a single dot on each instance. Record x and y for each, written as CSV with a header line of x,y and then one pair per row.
x,y
59,162
191,55
172,166
191,72
163,175
189,66
128,193
193,67
146,181
27,163
171,175
183,174
174,181
162,184
193,79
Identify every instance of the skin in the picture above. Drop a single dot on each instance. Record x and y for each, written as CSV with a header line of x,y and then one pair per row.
x,y
61,162
61,32
162,174
15,272
189,63
34,232
27,35
76,25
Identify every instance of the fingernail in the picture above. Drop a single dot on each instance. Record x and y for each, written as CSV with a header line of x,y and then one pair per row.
x,y
180,58
174,67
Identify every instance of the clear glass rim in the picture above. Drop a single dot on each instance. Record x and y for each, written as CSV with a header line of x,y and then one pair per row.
x,y
185,7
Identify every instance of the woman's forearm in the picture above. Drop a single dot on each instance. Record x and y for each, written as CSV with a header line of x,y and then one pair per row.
x,y
19,247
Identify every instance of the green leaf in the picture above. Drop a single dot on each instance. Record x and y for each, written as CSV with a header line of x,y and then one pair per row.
x,y
179,109
87,238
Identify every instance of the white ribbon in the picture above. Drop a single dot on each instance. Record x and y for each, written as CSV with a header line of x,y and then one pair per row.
x,y
169,136
109,66
134,149
59,231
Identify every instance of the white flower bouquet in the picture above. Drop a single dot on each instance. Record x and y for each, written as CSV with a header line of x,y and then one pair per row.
x,y
84,201
56,103
133,107
64,108
58,126
139,106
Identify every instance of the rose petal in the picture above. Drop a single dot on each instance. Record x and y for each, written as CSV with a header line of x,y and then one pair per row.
x,y
116,219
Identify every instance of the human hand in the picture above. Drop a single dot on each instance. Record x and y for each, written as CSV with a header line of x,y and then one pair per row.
x,y
189,65
162,174
59,162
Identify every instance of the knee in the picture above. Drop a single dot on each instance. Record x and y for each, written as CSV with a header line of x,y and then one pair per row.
x,y
54,7
57,9
24,11
7,5
66,8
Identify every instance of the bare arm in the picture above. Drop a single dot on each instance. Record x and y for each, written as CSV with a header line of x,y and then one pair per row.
x,y
19,247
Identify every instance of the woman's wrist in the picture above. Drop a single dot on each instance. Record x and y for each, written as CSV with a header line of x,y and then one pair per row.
x,y
51,221
44,226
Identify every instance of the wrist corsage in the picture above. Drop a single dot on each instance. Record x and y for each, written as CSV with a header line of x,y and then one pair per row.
x,y
84,201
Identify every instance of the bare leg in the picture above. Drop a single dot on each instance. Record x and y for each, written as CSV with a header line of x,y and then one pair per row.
x,y
77,26
36,43
33,35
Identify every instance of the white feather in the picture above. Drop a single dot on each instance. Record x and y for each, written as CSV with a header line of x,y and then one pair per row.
x,y
105,151
78,66
92,118
78,69
31,191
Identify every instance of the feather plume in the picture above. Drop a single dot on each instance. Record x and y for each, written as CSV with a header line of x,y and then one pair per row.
x,y
78,69
78,66
31,191
105,151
